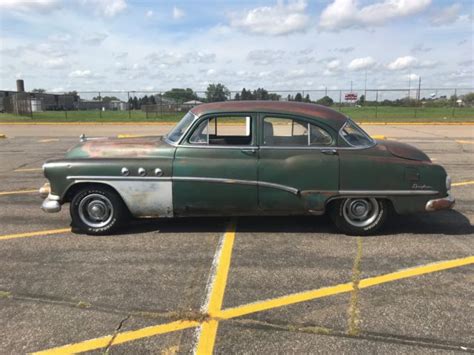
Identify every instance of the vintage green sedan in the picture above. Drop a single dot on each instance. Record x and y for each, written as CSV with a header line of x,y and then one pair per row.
x,y
247,158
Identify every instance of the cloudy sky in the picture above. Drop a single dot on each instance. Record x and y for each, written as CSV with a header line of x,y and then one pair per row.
x,y
63,45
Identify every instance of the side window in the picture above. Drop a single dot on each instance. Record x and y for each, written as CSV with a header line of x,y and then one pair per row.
x,y
223,130
288,132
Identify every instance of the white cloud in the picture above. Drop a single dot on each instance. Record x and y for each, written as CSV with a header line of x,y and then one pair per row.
x,y
149,13
281,19
446,15
334,64
402,63
42,6
94,39
108,8
408,61
265,56
55,63
411,77
211,72
167,58
177,13
80,74
361,63
341,14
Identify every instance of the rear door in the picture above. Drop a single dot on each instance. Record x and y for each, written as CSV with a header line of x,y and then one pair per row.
x,y
215,168
299,153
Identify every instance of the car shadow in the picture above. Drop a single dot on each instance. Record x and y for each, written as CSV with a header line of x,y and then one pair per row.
x,y
449,222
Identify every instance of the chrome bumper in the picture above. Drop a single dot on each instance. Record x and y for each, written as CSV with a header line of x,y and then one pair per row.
x,y
51,204
440,203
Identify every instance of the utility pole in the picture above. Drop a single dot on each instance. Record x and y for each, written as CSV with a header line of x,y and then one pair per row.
x,y
419,89
365,85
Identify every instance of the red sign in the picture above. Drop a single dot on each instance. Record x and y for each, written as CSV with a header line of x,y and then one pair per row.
x,y
350,96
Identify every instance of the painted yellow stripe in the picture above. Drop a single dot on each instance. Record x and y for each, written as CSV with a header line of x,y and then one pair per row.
x,y
260,306
27,170
4,193
123,337
48,140
347,287
463,183
208,333
379,136
131,135
465,142
2,135
34,234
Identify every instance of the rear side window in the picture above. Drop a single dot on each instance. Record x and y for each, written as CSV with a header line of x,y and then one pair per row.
x,y
289,132
223,130
355,136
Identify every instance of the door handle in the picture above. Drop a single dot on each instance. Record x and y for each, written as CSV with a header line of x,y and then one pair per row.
x,y
249,151
329,151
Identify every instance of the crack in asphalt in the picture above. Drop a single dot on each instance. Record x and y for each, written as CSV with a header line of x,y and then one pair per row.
x,y
117,330
354,310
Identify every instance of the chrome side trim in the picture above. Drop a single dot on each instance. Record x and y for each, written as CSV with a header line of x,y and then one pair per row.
x,y
387,192
187,178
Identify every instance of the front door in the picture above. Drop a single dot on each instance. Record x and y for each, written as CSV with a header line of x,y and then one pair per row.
x,y
300,154
215,167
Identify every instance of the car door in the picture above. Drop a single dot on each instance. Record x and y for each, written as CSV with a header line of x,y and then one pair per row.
x,y
215,167
298,153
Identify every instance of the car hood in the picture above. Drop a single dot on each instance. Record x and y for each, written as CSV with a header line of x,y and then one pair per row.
x,y
117,148
403,150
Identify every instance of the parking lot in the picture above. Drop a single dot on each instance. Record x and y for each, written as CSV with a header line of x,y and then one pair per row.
x,y
244,285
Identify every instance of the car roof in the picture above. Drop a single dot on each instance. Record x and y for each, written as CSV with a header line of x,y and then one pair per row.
x,y
333,118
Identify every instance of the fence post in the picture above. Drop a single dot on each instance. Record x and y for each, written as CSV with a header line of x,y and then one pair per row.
x,y
454,101
129,106
340,100
376,103
161,106
100,107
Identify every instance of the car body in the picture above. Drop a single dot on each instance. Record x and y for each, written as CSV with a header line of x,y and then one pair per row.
x,y
247,158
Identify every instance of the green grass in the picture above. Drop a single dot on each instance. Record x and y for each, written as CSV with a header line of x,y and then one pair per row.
x,y
360,114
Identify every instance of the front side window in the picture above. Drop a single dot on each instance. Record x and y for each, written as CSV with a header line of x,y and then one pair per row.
x,y
177,132
289,132
355,136
223,130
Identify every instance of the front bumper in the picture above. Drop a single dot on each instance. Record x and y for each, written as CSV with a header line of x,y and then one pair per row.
x,y
51,204
440,203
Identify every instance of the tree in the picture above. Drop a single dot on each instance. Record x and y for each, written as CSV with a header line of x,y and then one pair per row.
x,y
468,99
298,97
307,98
39,91
237,97
217,92
361,100
326,101
181,95
105,98
136,105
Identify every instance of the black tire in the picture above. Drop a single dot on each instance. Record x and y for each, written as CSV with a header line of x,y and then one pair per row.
x,y
97,210
345,215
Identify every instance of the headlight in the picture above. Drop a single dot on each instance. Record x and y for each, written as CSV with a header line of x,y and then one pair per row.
x,y
448,182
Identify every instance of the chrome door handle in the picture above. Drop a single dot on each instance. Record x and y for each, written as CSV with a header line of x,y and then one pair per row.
x,y
249,151
329,151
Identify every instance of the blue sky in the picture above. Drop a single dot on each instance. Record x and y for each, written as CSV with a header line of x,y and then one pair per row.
x,y
63,45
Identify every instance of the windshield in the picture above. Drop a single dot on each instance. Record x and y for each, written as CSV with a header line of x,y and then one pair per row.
x,y
355,136
177,132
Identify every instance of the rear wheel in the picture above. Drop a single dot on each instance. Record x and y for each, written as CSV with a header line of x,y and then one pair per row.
x,y
359,216
97,210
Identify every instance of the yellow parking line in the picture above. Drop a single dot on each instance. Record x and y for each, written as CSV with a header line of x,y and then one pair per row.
x,y
27,170
465,142
48,140
4,193
379,137
261,306
462,183
208,329
131,135
120,338
34,234
347,287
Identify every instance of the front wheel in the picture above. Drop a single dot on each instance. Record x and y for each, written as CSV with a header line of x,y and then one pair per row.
x,y
359,216
97,210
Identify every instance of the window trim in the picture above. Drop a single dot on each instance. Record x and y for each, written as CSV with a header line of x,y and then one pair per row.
x,y
253,132
333,134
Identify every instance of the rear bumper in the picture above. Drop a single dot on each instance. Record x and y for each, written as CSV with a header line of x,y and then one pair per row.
x,y
440,203
51,204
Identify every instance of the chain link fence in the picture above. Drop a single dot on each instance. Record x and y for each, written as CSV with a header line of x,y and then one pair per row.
x,y
453,104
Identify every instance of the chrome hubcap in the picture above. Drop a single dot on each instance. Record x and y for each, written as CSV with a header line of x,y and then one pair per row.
x,y
360,212
96,210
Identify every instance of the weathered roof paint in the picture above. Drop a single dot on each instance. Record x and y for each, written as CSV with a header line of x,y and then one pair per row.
x,y
330,116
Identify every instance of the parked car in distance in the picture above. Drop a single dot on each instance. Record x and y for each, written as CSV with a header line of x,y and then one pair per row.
x,y
247,158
